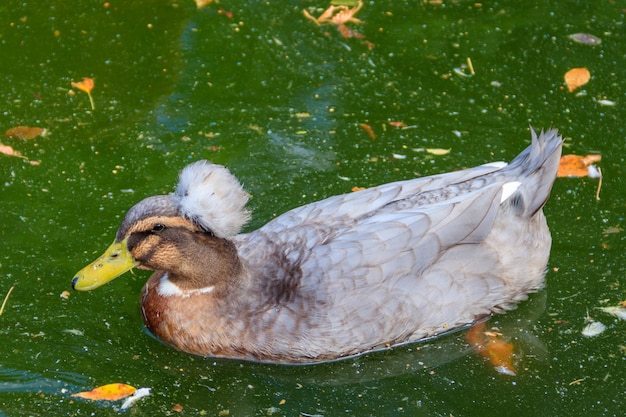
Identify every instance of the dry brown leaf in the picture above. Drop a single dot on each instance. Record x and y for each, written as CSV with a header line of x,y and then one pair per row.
x,y
24,132
578,166
339,16
576,77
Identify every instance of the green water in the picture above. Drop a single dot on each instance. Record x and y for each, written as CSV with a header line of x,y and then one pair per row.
x,y
175,84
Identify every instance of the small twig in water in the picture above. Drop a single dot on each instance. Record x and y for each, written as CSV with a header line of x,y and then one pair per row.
x,y
599,185
4,303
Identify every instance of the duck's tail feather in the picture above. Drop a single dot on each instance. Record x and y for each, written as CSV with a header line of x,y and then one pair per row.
x,y
536,168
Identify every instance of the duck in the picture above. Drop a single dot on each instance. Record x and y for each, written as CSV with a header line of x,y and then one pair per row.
x,y
350,274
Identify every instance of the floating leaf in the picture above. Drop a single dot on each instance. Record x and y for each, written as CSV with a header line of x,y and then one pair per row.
x,y
202,3
576,77
579,166
111,392
226,13
397,124
438,151
489,345
339,16
25,132
368,129
593,329
7,150
585,38
86,85
617,311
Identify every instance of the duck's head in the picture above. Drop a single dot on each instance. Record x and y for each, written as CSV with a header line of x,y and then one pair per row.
x,y
161,231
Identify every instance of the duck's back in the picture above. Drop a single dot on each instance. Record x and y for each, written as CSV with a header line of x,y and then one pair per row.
x,y
406,260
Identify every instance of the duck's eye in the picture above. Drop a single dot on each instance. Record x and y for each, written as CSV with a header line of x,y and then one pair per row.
x,y
158,227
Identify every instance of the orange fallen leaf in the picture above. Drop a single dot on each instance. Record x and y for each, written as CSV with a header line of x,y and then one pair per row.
x,y
489,345
86,85
576,77
397,124
226,13
24,132
110,392
356,188
178,408
578,166
368,129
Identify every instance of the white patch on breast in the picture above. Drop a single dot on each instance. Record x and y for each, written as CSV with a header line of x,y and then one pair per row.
x,y
167,288
508,189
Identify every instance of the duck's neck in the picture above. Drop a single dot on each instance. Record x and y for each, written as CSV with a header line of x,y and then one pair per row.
x,y
210,264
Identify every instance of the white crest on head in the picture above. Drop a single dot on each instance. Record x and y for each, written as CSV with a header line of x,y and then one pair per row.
x,y
213,198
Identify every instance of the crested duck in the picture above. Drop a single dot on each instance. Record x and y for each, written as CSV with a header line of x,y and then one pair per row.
x,y
353,273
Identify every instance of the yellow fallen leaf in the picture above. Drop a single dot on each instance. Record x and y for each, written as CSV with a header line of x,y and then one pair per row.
x,y
110,392
438,151
576,77
202,3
